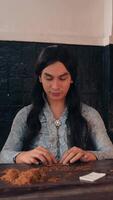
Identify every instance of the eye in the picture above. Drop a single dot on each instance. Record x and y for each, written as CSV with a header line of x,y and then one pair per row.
x,y
49,78
63,78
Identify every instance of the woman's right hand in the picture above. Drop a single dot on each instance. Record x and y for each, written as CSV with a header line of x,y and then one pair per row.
x,y
35,156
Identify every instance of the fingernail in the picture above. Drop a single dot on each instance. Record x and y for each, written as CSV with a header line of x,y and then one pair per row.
x,y
85,156
64,163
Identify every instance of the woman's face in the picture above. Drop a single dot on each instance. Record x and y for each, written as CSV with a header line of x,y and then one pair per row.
x,y
56,81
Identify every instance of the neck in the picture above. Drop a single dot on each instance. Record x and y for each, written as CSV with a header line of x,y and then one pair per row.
x,y
57,108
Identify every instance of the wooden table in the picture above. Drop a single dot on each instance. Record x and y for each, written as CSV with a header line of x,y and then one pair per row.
x,y
100,189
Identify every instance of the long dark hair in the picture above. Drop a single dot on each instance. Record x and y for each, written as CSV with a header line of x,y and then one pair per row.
x,y
75,122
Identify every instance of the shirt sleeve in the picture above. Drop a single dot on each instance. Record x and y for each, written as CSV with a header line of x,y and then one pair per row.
x,y
101,140
14,143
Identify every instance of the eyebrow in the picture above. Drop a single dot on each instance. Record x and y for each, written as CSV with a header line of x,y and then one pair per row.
x,y
62,75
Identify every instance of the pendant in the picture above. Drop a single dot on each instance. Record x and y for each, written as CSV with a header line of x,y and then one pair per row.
x,y
57,123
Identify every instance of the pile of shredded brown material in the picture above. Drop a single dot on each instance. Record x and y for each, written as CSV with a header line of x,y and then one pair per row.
x,y
52,174
18,177
34,175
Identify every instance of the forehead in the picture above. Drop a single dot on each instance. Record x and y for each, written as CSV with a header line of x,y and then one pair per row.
x,y
56,68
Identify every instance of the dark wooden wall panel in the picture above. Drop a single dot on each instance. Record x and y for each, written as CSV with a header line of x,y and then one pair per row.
x,y
111,93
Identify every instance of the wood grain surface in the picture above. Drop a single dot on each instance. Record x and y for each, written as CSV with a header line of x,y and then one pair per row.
x,y
68,187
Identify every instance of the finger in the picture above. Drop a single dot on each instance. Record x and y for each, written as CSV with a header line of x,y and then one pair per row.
x,y
88,157
38,155
68,158
76,157
28,161
64,156
48,158
73,149
44,156
48,155
84,159
34,161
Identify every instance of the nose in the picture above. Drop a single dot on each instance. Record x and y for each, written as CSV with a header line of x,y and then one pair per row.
x,y
55,84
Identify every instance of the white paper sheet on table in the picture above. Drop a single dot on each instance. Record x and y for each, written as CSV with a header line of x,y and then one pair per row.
x,y
91,177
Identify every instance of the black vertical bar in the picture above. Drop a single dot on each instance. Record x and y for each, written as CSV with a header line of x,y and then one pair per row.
x,y
105,97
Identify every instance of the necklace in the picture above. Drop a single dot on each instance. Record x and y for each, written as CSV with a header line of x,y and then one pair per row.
x,y
57,123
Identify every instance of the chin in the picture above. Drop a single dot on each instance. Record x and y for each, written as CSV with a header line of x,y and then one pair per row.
x,y
57,99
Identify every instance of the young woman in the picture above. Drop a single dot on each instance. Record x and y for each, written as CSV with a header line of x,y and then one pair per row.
x,y
56,126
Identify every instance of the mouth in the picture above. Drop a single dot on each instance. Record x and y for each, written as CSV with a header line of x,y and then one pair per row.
x,y
56,93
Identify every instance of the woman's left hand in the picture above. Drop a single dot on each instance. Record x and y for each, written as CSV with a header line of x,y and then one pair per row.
x,y
74,154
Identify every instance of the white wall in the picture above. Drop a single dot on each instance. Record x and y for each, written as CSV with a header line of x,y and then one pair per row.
x,y
64,21
111,38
